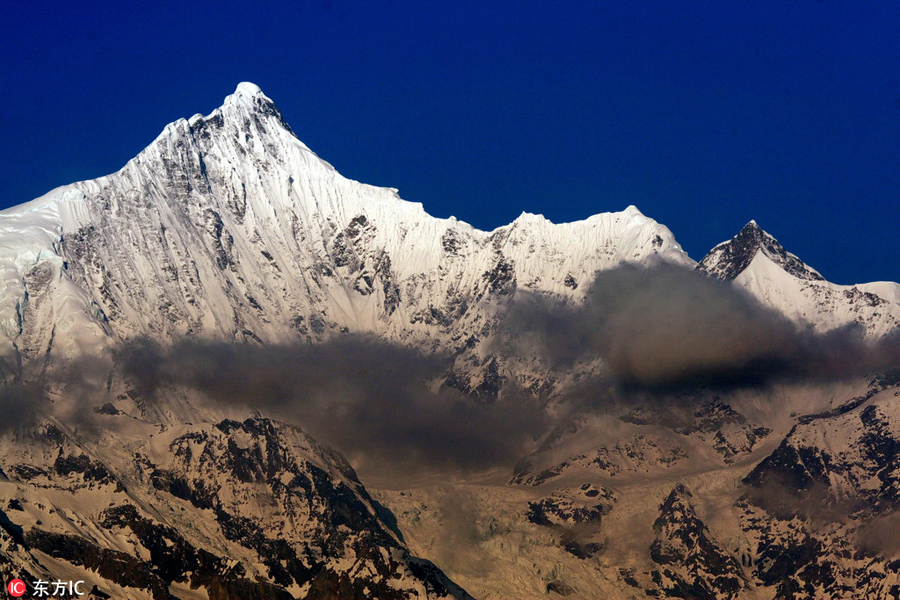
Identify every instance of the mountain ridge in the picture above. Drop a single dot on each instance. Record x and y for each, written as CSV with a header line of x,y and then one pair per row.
x,y
192,175
228,226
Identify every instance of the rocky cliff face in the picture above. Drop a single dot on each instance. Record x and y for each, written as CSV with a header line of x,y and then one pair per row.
x,y
820,506
692,563
231,510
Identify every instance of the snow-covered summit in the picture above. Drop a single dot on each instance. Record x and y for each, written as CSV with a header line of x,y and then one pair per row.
x,y
249,98
228,226
246,88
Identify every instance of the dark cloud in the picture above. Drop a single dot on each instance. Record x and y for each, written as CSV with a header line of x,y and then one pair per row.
x,y
381,404
663,332
816,503
667,327
22,404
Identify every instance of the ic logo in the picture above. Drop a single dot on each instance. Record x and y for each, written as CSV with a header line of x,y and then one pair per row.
x,y
16,588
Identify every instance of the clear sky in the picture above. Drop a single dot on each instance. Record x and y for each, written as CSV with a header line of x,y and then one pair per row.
x,y
703,114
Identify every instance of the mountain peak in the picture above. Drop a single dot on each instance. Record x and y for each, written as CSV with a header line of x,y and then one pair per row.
x,y
245,88
249,95
753,234
729,259
248,100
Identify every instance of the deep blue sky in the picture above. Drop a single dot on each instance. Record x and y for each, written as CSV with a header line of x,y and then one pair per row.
x,y
703,114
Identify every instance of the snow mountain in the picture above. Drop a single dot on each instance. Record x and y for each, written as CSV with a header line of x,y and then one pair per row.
x,y
227,228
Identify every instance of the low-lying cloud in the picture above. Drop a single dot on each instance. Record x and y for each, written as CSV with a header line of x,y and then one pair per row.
x,y
666,327
661,331
374,401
